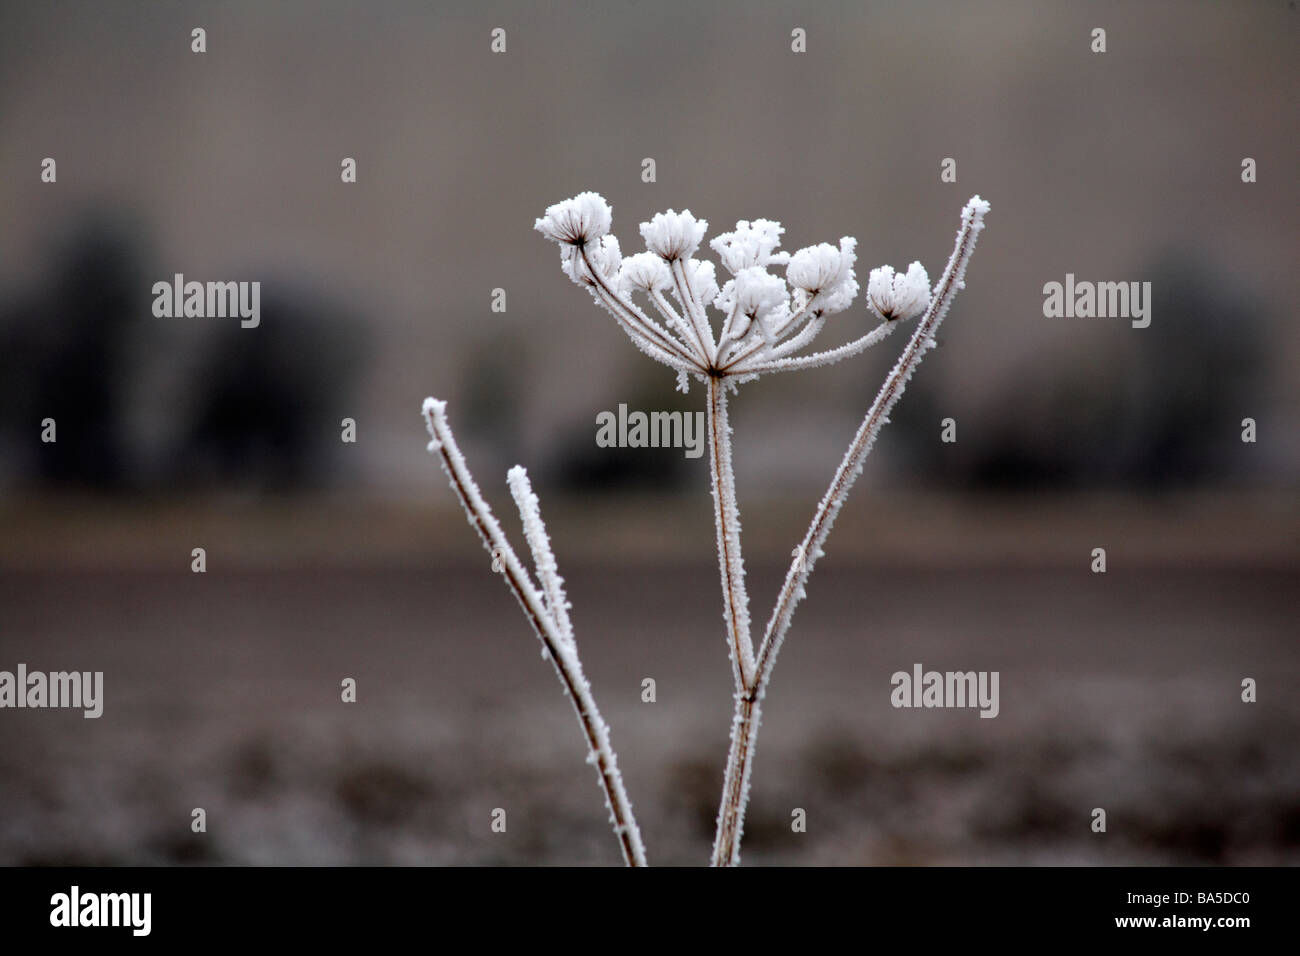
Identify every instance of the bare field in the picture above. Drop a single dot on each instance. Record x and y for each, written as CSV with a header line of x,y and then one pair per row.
x,y
222,691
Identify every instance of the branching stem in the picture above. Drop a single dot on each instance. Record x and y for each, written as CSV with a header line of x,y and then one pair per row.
x,y
744,732
547,623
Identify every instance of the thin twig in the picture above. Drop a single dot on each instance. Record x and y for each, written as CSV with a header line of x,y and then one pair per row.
x,y
815,359
952,281
545,620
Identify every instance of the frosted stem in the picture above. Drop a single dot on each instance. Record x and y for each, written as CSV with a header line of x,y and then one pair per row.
x,y
735,602
829,357
693,308
812,328
735,783
792,591
728,339
546,622
674,320
747,348
548,572
642,329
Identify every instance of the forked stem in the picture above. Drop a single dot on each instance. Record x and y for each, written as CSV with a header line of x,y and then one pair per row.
x,y
745,722
549,622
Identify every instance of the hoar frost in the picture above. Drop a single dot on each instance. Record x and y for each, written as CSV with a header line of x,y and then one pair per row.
x,y
900,295
765,321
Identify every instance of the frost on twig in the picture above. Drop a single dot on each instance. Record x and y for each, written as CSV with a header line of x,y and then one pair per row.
x,y
548,573
892,297
905,296
546,610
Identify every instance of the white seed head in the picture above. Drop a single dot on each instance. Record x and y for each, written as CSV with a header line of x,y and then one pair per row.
x,y
754,292
644,272
577,221
892,295
674,235
751,244
604,255
827,272
704,278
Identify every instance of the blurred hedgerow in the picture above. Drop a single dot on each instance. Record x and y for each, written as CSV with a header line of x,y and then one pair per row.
x,y
767,323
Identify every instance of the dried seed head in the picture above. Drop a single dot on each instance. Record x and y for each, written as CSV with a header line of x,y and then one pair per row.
x,y
604,255
751,244
577,221
674,235
703,278
892,295
827,272
645,272
754,292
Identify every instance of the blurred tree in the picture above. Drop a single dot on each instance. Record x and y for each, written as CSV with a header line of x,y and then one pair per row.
x,y
1162,409
66,356
271,398
581,465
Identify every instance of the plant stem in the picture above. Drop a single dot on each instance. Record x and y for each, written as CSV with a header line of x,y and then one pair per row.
x,y
545,621
749,693
735,784
735,603
922,340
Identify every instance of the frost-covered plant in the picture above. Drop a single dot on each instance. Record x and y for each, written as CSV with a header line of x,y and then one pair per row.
x,y
767,322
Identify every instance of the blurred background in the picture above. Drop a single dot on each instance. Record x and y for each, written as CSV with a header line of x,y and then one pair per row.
x,y
328,559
